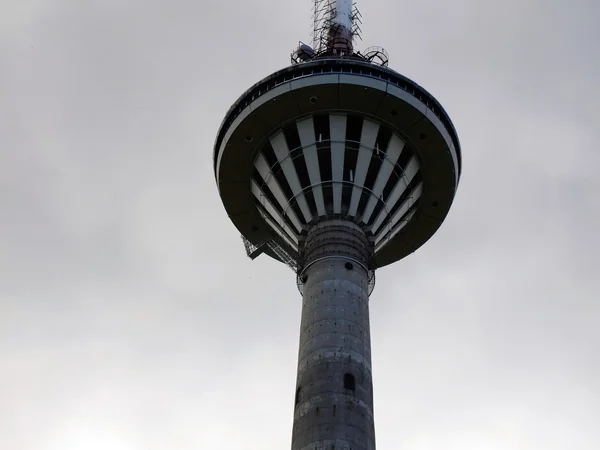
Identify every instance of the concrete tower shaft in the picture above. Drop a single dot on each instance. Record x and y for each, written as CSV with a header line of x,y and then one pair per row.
x,y
334,390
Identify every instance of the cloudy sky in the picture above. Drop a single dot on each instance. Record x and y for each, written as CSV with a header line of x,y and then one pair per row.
x,y
130,318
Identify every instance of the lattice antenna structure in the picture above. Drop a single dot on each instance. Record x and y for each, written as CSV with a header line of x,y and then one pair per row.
x,y
335,30
322,11
335,25
356,22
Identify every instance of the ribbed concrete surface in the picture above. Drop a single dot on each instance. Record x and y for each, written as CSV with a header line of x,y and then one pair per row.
x,y
334,396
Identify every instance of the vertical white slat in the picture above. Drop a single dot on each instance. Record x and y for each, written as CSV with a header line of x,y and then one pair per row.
x,y
411,170
408,202
394,150
277,230
263,168
264,201
395,231
337,133
368,137
282,152
306,131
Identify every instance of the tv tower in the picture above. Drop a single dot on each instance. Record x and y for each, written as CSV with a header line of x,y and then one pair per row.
x,y
336,166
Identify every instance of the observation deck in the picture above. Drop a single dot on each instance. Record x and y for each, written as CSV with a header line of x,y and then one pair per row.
x,y
337,138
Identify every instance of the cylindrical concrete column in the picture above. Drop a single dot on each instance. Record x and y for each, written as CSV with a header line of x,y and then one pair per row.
x,y
334,391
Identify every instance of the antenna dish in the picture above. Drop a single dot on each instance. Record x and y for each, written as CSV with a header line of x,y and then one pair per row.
x,y
303,53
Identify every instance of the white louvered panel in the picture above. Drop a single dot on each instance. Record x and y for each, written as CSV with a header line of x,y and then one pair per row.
x,y
395,231
264,201
282,152
337,133
410,200
306,130
367,143
262,166
393,153
411,170
277,229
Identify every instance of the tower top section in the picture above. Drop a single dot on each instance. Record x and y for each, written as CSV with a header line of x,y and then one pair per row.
x,y
336,28
336,136
335,25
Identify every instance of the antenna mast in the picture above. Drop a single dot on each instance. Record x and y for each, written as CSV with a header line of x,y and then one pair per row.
x,y
335,24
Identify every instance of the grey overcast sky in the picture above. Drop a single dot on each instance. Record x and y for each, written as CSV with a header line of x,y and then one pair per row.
x,y
130,317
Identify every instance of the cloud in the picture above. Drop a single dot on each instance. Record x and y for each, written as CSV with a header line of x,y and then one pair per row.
x,y
130,317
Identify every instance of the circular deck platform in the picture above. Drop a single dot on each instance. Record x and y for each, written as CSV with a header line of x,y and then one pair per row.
x,y
338,139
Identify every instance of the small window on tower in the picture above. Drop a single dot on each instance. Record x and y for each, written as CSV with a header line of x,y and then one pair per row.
x,y
349,382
